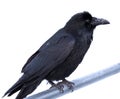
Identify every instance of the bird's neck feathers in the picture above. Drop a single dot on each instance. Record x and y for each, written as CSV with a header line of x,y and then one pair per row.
x,y
79,32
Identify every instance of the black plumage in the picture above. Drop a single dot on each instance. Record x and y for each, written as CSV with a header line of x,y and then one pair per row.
x,y
58,57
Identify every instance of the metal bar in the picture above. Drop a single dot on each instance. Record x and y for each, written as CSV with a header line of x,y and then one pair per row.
x,y
53,93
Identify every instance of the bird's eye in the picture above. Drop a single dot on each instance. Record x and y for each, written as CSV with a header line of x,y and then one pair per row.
x,y
87,20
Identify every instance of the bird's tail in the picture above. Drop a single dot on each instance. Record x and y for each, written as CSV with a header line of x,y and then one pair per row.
x,y
24,87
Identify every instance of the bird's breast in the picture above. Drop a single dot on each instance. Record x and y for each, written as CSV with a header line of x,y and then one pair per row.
x,y
80,48
76,56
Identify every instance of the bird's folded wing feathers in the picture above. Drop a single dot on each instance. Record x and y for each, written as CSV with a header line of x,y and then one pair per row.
x,y
43,61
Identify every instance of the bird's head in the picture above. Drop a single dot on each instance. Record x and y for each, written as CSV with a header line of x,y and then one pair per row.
x,y
84,20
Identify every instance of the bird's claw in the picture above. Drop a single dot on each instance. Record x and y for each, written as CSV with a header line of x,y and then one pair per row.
x,y
70,85
59,86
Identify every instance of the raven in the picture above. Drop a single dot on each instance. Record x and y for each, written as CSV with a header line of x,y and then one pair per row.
x,y
59,56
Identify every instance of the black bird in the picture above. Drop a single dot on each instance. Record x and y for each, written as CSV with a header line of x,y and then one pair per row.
x,y
59,56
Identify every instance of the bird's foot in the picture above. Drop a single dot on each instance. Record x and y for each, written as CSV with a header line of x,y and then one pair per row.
x,y
60,85
69,84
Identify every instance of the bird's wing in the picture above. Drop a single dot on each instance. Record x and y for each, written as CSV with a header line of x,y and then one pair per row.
x,y
30,59
52,53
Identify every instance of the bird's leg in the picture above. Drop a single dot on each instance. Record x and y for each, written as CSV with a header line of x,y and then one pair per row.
x,y
51,82
69,84
59,86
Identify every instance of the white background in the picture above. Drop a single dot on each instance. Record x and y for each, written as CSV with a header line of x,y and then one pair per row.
x,y
26,24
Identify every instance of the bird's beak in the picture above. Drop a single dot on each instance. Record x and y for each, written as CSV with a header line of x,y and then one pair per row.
x,y
98,21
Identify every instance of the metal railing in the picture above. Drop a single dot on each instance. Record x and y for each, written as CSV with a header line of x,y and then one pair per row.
x,y
53,93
